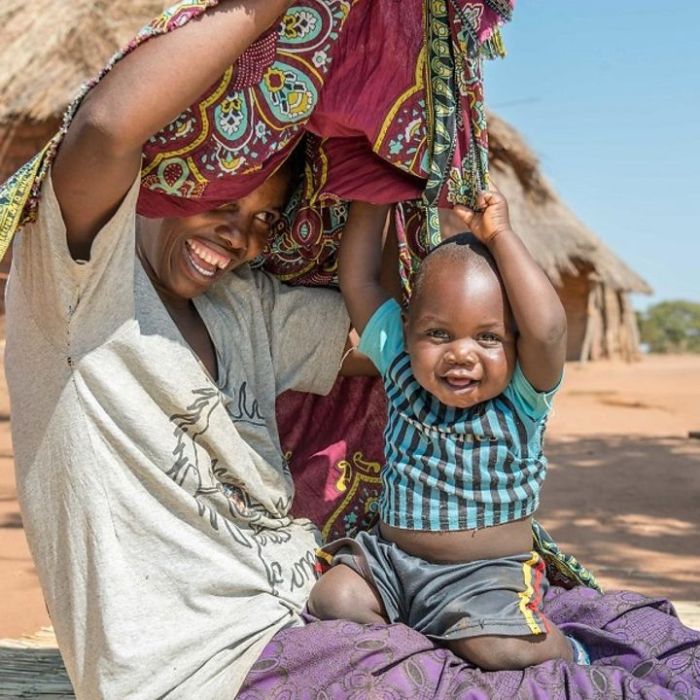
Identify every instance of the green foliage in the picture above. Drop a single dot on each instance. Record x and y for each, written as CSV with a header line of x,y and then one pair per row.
x,y
671,326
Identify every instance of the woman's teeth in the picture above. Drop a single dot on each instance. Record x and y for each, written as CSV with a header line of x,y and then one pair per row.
x,y
201,270
205,260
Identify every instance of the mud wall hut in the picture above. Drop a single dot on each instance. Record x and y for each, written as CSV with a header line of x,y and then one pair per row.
x,y
50,47
593,283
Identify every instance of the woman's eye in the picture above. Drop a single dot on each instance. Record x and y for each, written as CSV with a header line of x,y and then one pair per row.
x,y
268,217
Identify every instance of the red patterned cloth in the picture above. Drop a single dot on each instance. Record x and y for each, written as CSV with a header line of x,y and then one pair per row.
x,y
335,449
354,75
388,94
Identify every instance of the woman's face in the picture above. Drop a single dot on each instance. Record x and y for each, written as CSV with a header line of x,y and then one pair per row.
x,y
185,256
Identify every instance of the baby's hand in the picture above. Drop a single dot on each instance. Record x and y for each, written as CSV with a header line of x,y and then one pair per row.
x,y
488,219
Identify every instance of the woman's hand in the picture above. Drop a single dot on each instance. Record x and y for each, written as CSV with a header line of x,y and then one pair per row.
x,y
488,219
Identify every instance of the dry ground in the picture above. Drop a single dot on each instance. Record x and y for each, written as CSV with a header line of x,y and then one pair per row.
x,y
622,493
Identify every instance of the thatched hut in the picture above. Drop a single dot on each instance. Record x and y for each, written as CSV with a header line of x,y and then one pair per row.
x,y
52,46
49,48
593,283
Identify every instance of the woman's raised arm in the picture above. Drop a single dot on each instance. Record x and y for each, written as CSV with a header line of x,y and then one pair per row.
x,y
101,153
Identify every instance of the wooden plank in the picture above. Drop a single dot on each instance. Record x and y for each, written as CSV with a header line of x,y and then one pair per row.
x,y
33,673
689,612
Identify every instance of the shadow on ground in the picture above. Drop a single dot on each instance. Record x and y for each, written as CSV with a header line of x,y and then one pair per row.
x,y
628,508
11,520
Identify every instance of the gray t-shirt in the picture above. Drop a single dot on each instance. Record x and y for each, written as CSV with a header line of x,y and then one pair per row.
x,y
155,500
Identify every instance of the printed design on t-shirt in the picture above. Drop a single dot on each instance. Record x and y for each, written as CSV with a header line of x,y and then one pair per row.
x,y
195,468
222,499
303,571
267,537
243,407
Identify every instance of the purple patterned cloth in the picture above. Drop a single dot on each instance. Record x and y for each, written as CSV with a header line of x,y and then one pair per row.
x,y
638,648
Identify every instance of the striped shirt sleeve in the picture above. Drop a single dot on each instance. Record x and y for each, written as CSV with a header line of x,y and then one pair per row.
x,y
382,339
533,403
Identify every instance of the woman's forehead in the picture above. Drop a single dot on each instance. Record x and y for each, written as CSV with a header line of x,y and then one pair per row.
x,y
272,193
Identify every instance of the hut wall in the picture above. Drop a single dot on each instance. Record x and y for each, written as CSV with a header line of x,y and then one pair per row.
x,y
621,331
629,330
612,322
601,321
20,140
573,293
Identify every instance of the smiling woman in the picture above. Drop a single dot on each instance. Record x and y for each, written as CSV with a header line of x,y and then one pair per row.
x,y
157,495
153,427
184,256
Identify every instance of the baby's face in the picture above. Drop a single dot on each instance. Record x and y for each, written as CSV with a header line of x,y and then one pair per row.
x,y
460,335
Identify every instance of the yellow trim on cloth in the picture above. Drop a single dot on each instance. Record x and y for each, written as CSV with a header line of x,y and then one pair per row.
x,y
14,195
527,595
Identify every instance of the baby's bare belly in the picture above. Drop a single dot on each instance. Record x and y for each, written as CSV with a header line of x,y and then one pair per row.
x,y
463,545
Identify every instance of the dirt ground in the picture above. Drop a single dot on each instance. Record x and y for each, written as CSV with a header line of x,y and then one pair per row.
x,y
622,493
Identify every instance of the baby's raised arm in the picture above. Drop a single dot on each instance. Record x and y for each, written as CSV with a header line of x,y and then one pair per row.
x,y
360,262
538,312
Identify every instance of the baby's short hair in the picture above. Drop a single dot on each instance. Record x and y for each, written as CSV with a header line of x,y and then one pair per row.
x,y
462,247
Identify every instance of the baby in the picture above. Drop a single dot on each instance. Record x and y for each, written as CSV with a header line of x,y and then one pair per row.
x,y
469,370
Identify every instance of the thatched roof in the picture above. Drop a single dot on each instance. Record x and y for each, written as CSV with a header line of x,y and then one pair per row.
x,y
50,47
559,242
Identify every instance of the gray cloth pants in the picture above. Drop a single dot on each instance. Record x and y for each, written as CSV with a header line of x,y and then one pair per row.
x,y
450,601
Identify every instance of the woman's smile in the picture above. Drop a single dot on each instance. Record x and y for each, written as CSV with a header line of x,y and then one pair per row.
x,y
205,259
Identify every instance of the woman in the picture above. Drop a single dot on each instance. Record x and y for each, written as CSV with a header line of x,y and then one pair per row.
x,y
154,489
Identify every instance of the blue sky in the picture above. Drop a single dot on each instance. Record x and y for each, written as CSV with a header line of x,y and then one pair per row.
x,y
608,96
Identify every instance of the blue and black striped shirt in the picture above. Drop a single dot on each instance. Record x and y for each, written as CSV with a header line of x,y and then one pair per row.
x,y
452,468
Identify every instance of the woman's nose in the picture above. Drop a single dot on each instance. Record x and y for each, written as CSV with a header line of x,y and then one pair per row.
x,y
233,234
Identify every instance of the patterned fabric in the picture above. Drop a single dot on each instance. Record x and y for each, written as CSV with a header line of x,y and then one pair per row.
x,y
14,196
304,76
562,569
432,127
244,126
447,88
638,648
451,468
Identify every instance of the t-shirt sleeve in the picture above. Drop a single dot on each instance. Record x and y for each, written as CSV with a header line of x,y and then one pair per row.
x,y
308,329
531,402
76,304
383,339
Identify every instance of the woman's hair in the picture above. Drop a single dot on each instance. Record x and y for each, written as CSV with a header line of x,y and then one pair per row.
x,y
295,164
